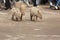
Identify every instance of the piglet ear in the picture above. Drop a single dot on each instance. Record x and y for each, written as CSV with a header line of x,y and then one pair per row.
x,y
30,6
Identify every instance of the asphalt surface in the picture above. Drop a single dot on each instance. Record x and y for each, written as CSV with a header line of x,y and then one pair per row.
x,y
46,29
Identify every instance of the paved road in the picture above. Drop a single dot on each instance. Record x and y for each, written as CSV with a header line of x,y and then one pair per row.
x,y
46,29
